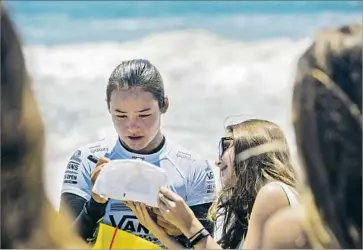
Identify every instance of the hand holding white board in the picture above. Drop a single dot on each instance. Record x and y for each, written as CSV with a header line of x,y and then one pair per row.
x,y
131,180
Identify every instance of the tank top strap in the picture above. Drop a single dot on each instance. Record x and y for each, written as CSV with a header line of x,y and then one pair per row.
x,y
290,193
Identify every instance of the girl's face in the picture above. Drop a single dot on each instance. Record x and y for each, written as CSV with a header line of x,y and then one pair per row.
x,y
225,162
136,117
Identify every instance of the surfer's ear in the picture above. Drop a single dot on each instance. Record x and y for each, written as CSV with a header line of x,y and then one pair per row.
x,y
165,106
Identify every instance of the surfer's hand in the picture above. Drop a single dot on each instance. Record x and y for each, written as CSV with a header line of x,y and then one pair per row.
x,y
169,228
142,214
176,211
101,162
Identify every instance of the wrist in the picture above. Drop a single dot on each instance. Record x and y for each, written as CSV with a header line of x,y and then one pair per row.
x,y
194,228
94,208
98,198
160,234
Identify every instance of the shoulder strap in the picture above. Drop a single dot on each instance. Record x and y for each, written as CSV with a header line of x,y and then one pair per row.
x,y
289,192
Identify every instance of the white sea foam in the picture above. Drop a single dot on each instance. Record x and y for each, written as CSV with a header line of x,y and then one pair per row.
x,y
207,77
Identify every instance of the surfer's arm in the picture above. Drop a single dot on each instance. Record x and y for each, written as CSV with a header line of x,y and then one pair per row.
x,y
71,203
87,220
76,195
85,213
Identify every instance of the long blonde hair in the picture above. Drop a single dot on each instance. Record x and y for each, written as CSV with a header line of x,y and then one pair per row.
x,y
262,155
28,219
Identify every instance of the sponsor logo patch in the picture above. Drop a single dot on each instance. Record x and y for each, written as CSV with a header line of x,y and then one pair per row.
x,y
98,149
135,157
129,223
77,156
73,166
70,178
210,181
184,155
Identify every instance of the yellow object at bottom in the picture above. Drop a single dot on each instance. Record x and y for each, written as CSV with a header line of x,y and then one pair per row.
x,y
122,239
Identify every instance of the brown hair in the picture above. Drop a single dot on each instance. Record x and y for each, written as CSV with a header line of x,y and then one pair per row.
x,y
137,73
327,116
28,219
262,155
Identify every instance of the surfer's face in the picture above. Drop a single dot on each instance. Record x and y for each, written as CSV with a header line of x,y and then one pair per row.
x,y
136,117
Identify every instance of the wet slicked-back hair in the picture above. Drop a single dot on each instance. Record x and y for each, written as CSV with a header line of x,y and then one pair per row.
x,y
327,116
27,218
137,73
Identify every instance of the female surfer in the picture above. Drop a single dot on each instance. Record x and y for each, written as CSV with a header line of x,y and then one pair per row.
x,y
136,101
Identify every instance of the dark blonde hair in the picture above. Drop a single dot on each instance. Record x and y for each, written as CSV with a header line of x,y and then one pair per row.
x,y
327,116
28,219
261,155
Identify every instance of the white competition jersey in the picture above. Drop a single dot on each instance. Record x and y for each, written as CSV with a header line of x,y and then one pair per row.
x,y
190,176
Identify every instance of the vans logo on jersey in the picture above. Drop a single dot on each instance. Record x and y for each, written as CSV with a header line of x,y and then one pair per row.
x,y
129,223
72,166
77,156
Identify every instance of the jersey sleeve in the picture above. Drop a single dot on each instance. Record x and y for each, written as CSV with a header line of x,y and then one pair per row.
x,y
77,176
201,184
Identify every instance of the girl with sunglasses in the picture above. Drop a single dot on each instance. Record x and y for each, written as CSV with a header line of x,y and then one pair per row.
x,y
258,179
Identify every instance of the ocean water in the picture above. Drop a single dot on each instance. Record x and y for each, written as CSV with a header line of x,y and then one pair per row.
x,y
217,59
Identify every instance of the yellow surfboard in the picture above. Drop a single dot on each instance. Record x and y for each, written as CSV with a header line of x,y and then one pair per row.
x,y
122,239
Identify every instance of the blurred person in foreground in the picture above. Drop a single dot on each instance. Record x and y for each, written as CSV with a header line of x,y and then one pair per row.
x,y
327,117
28,219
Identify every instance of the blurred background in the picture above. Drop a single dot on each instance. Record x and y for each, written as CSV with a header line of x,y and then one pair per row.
x,y
217,58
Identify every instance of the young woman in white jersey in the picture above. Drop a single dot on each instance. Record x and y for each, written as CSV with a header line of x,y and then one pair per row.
x,y
258,180
136,101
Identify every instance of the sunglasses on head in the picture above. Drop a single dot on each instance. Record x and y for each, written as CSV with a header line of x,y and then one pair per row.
x,y
224,144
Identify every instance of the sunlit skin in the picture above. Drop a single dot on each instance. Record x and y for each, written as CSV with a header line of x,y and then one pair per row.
x,y
225,165
136,117
270,199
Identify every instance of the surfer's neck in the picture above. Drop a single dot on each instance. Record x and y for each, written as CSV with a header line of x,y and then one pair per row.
x,y
153,147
